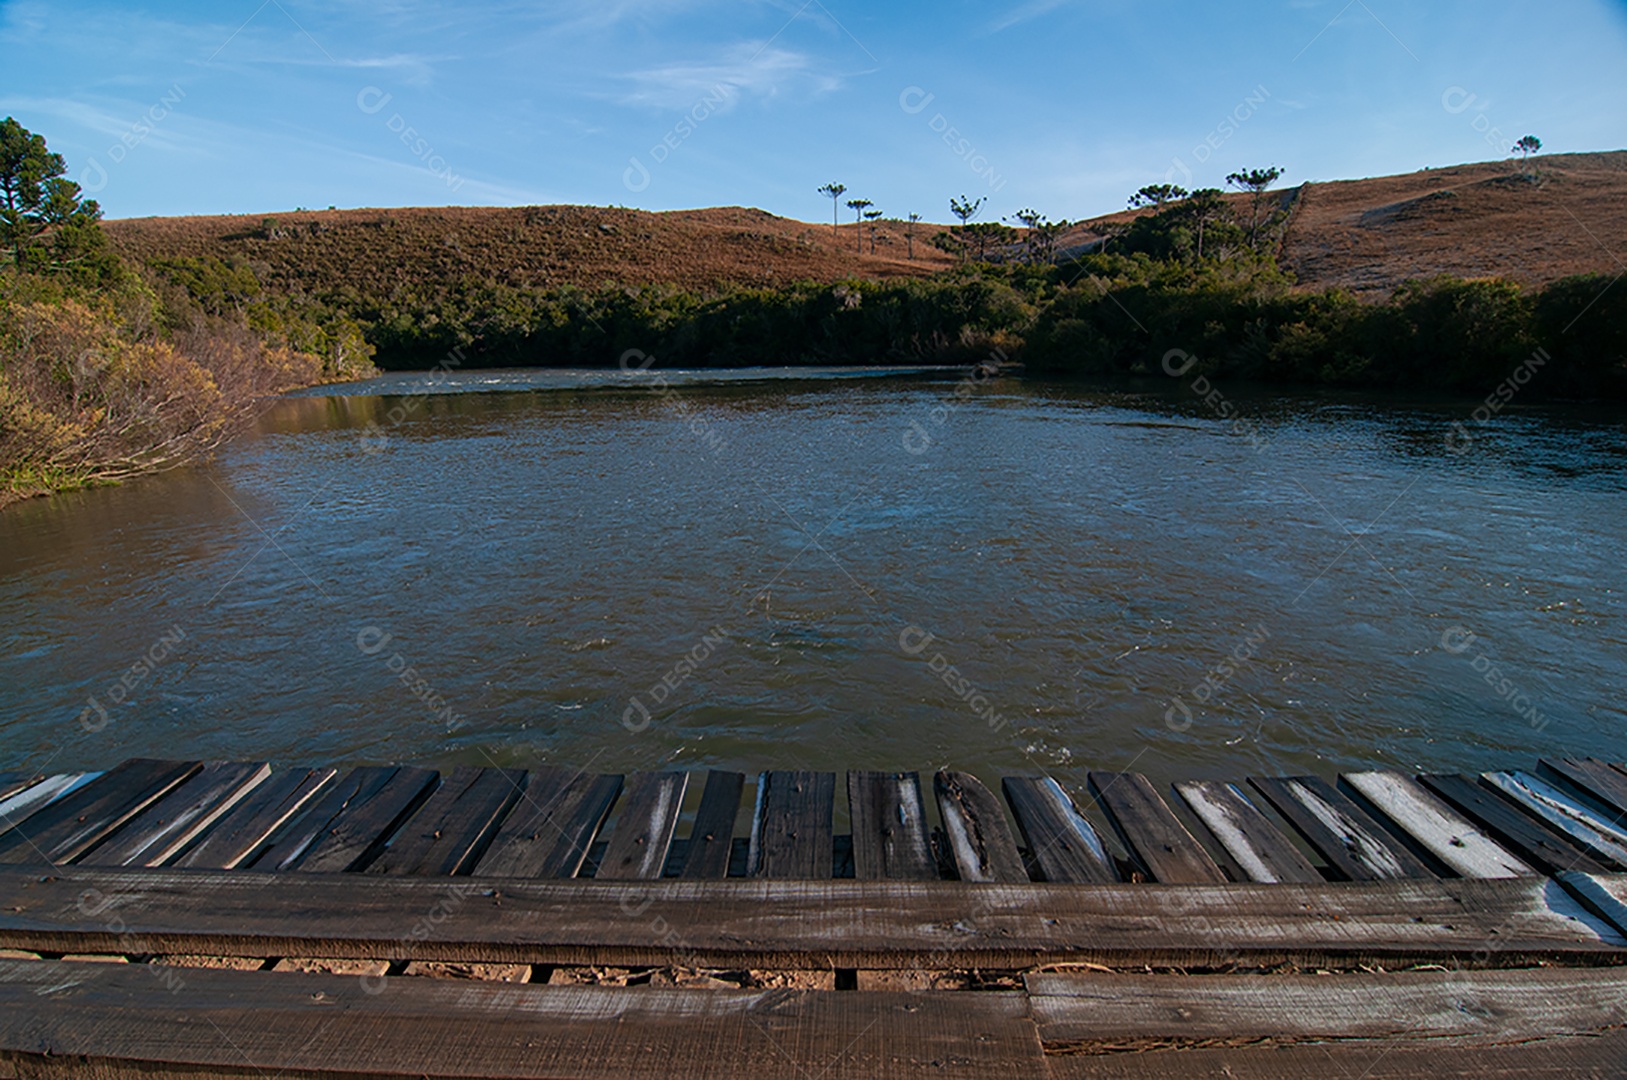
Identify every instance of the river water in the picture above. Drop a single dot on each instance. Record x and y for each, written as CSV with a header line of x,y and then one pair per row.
x,y
633,572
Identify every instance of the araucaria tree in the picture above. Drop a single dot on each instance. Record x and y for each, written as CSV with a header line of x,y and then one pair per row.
x,y
1528,145
1156,195
833,191
1255,182
965,209
909,234
44,224
858,207
872,216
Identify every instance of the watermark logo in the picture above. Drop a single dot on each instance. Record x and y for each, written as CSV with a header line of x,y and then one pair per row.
x,y
913,100
1461,641
371,100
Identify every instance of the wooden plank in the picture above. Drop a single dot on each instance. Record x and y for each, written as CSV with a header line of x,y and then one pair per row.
x,y
1525,836
1065,845
169,824
1448,835
643,833
359,831
450,833
294,841
785,925
1594,778
1468,1006
549,833
16,808
237,837
1259,848
268,1024
1605,895
13,781
711,837
1353,844
791,826
1150,831
975,825
1564,812
890,838
75,823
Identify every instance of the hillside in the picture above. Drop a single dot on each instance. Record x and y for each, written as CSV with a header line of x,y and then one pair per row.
x,y
1366,235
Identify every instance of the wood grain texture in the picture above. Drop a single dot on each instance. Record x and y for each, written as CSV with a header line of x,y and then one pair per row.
x,y
550,831
644,826
1064,844
171,822
710,838
1342,833
1150,831
449,833
976,828
282,1024
890,840
237,837
1524,835
1483,1006
793,924
1564,812
1594,778
1260,850
16,808
359,831
1448,835
791,825
74,823
1605,895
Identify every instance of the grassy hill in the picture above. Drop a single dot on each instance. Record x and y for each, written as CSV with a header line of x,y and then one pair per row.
x,y
1369,236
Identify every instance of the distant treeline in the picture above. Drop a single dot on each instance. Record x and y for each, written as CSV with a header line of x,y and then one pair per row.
x,y
1102,315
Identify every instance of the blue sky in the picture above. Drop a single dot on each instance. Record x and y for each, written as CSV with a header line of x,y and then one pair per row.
x,y
249,106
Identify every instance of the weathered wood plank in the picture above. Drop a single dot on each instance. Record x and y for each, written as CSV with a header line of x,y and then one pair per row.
x,y
1564,812
1478,1006
975,825
1596,779
14,780
711,837
450,832
238,836
292,842
889,827
1605,895
170,823
1259,848
358,832
791,825
73,824
758,923
550,831
644,826
281,1024
1524,835
1353,844
1066,846
1449,836
1150,831
16,808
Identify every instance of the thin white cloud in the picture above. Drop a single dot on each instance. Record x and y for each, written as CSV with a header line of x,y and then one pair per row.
x,y
745,70
1025,13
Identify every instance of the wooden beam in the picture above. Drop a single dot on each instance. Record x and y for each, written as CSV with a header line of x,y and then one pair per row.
x,y
791,826
1064,844
55,1018
450,832
236,839
711,837
1150,831
1547,850
976,827
1442,831
1260,850
549,833
1594,778
71,825
791,924
1566,813
1352,842
644,826
169,824
16,808
889,827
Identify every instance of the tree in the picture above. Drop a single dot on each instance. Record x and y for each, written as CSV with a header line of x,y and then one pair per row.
x,y
909,234
1255,182
1156,195
44,224
965,209
833,191
871,216
1203,209
858,207
1528,145
1039,242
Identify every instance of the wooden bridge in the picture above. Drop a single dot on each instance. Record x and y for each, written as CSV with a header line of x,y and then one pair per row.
x,y
392,921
